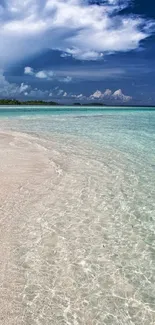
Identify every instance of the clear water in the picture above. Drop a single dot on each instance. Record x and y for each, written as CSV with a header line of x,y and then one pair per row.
x,y
108,209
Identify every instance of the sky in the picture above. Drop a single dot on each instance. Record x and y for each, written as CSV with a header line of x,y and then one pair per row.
x,y
78,51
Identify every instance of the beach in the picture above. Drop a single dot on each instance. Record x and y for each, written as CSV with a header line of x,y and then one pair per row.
x,y
77,217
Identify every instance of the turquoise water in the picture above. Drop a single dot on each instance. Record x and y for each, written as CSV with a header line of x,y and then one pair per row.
x,y
129,130
109,158
54,110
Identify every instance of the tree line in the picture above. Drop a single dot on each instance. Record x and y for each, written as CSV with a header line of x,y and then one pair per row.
x,y
29,102
42,103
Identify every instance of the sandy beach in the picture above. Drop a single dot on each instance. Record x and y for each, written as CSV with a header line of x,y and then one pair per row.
x,y
77,162
21,172
65,255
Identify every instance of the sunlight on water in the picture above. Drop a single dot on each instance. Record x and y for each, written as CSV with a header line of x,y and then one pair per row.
x,y
87,245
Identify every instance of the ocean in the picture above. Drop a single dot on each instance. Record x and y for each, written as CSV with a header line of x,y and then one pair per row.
x,y
85,243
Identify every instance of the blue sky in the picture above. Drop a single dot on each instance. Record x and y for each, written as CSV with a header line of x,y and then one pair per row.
x,y
78,50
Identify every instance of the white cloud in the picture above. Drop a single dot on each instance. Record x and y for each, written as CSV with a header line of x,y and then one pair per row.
x,y
118,95
66,79
47,74
67,74
73,26
29,71
12,90
79,97
43,74
108,95
23,87
84,55
65,55
97,94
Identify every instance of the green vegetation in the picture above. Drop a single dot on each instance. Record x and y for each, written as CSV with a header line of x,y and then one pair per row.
x,y
38,102
29,102
16,102
9,102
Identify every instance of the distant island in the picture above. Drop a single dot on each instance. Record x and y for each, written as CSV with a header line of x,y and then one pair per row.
x,y
16,102
29,102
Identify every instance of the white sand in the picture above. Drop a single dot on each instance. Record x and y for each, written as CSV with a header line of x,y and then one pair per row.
x,y
59,243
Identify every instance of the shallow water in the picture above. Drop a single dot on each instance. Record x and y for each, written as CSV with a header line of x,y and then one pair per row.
x,y
85,245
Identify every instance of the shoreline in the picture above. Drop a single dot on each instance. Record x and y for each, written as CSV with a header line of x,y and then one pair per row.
x,y
80,107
